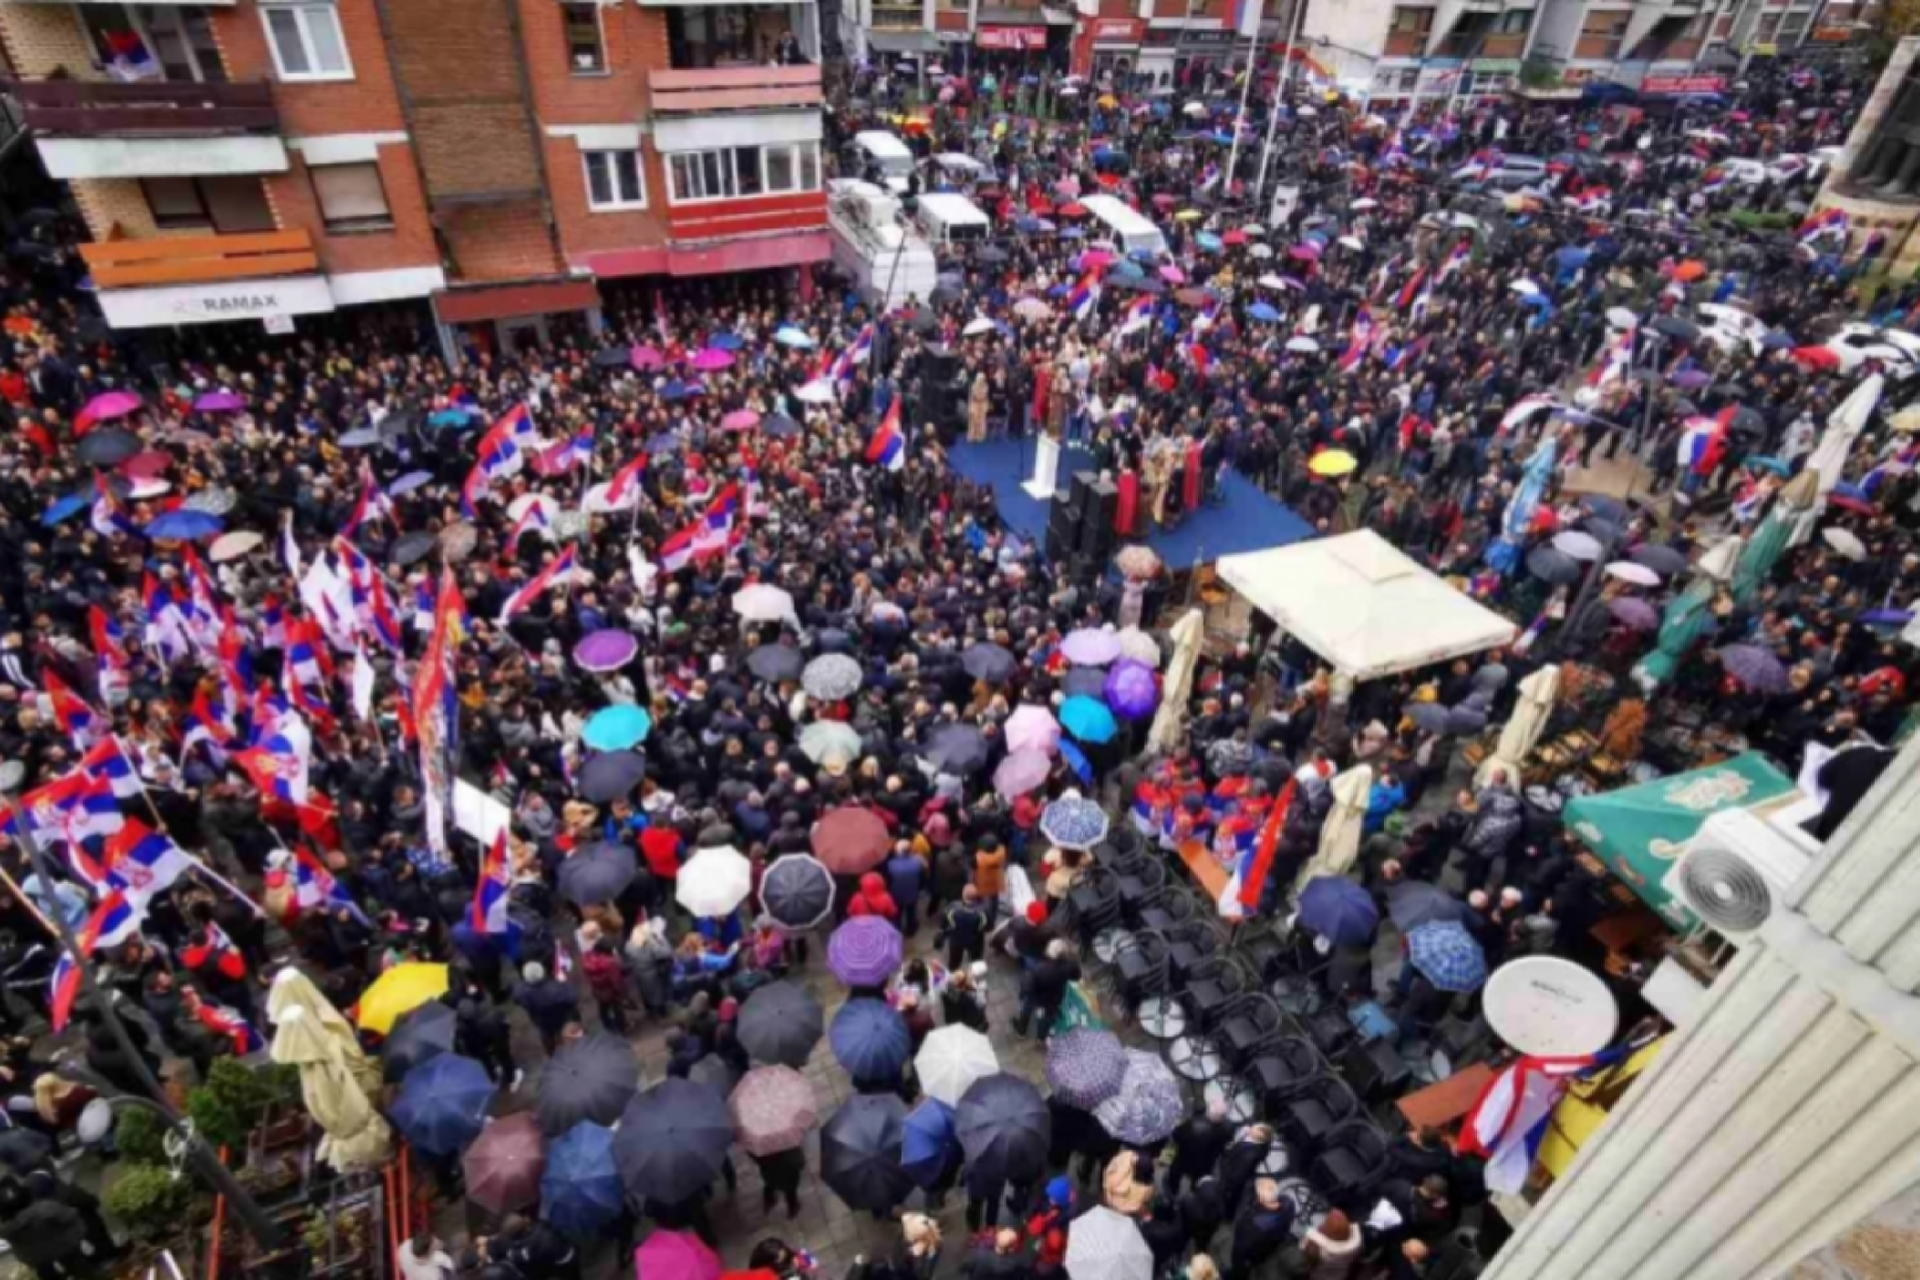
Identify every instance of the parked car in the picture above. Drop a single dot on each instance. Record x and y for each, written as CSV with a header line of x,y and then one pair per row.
x,y
1897,350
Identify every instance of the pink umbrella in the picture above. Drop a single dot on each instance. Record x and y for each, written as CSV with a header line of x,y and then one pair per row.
x,y
675,1255
1172,274
1032,728
219,402
647,358
1021,772
108,406
1095,258
1304,253
713,358
740,420
147,465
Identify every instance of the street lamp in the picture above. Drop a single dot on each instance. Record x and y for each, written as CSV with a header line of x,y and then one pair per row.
x,y
194,1149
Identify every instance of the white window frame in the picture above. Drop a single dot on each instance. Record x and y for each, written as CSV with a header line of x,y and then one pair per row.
x,y
797,149
300,10
639,173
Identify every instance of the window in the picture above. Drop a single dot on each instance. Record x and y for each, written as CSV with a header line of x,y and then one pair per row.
x,y
744,171
351,197
1602,34
306,40
586,46
176,202
614,180
1513,21
230,205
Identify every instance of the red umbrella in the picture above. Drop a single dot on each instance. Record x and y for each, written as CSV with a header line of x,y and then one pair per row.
x,y
1074,210
1234,237
1816,357
505,1163
1854,505
1109,179
850,840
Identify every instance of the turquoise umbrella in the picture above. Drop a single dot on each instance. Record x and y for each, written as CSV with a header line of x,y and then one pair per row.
x,y
1087,719
617,728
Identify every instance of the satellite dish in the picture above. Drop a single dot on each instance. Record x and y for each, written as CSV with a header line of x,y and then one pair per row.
x,y
96,1122
1550,1008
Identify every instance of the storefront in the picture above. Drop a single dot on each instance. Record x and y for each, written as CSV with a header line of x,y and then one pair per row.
x,y
1108,49
1010,39
491,319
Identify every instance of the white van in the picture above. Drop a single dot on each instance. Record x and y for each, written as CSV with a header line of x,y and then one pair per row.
x,y
948,219
1125,227
878,149
886,260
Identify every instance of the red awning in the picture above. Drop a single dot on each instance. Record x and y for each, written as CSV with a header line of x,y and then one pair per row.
x,y
756,254
502,301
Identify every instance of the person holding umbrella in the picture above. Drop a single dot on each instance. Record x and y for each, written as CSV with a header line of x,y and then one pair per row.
x,y
549,1003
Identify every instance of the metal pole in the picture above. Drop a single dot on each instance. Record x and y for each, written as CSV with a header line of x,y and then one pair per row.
x,y
1273,108
263,1229
1253,53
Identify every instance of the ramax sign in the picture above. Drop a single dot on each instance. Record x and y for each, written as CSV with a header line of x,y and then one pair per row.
x,y
212,304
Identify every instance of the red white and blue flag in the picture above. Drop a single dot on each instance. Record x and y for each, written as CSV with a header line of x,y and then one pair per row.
x,y
490,894
1614,366
1703,442
110,922
676,549
1825,224
73,807
1084,295
142,862
888,448
839,368
205,726
625,485
71,712
1461,255
109,653
522,600
315,887
1138,314
108,762
230,1026
278,763
1510,1117
1358,342
1410,290
371,502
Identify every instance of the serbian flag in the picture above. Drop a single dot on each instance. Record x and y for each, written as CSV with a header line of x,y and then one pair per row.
x,y
717,531
840,367
1827,222
108,762
109,652
204,725
1510,1117
490,894
230,1026
888,448
1461,255
219,952
77,806
71,712
143,862
112,920
1259,861
1358,341
316,887
625,484
676,550
278,765
1138,314
1523,408
1410,291
108,517
1703,442
1084,295
568,454
534,517
370,503
521,600
1615,364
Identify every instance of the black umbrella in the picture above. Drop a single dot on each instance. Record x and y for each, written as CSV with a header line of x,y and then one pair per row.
x,y
990,255
989,662
589,1080
1086,682
598,873
672,1140
1140,284
797,891
715,1073
1747,422
22,1151
608,777
832,640
107,447
613,358
409,547
1663,560
399,423
779,426
860,1152
1676,328
1555,568
1607,531
1412,903
420,1034
776,662
1004,1128
1428,717
956,749
780,1023
1464,721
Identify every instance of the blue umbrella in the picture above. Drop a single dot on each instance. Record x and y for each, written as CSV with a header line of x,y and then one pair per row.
x,y
1209,241
727,341
1029,226
1077,761
65,508
185,525
580,1193
1087,720
678,390
1073,233
1848,490
1572,258
779,426
450,420
1103,154
1264,311
789,336
1446,954
1074,822
443,1104
1776,465
617,728
665,442
1338,910
869,1039
409,482
1778,340
928,1146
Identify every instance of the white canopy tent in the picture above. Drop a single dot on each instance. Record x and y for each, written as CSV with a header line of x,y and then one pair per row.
x,y
1363,605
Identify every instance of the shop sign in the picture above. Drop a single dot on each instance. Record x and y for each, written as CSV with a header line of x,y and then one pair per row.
x,y
212,303
1681,86
1011,38
1118,30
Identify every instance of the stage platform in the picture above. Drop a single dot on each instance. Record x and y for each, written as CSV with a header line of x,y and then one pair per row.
x,y
1247,520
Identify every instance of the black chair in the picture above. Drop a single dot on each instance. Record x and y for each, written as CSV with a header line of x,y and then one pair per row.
x,y
1214,989
1375,1070
1140,968
1116,859
1287,1067
1127,842
1094,904
1141,888
1191,946
1330,1030
1256,1023
1177,906
1351,1164
1316,1111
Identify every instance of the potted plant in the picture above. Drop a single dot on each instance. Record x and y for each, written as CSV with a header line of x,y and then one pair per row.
x,y
148,1201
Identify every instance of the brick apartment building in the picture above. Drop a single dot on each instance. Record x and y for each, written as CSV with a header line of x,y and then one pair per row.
x,y
506,162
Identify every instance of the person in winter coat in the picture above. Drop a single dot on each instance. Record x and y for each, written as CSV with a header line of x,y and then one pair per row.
x,y
549,1003
650,959
1332,1249
1260,1230
1001,1260
952,872
964,930
990,876
1241,1161
872,899
607,980
962,1002
906,873
780,1175
1197,1145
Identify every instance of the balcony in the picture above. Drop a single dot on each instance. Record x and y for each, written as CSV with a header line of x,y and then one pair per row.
x,y
898,17
105,108
135,264
1405,44
1505,45
734,89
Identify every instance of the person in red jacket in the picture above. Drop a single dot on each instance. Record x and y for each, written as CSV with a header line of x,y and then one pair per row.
x,y
872,899
660,846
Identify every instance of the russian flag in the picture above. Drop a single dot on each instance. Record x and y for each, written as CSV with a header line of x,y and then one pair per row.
x,y
676,550
888,448
521,600
626,483
112,920
1358,341
143,862
107,761
490,894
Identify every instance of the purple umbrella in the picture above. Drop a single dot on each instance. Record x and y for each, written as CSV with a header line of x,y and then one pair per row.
x,y
1132,691
864,951
645,358
676,1255
1084,682
713,358
606,650
1091,647
1754,668
1635,615
1691,379
1021,772
219,402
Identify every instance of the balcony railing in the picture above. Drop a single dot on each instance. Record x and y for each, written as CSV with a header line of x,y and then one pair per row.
x,y
105,108
1405,44
898,17
1505,45
133,264
734,89
1598,47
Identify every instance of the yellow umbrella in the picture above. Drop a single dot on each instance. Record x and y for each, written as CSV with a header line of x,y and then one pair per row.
x,y
1108,101
356,1136
1188,215
400,990
1333,462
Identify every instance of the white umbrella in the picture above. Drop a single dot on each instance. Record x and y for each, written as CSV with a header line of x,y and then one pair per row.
x,y
1522,732
1363,204
1261,251
977,326
1581,546
1524,286
1271,281
1844,426
1303,345
1169,723
714,881
1637,574
1106,1244
1138,645
1340,834
819,391
1621,318
950,1060
1845,543
763,603
825,741
1195,109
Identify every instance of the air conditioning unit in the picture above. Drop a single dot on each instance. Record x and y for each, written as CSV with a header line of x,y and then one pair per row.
x,y
1736,872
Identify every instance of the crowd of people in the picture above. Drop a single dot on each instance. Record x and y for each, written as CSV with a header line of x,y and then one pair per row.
x,y
434,543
